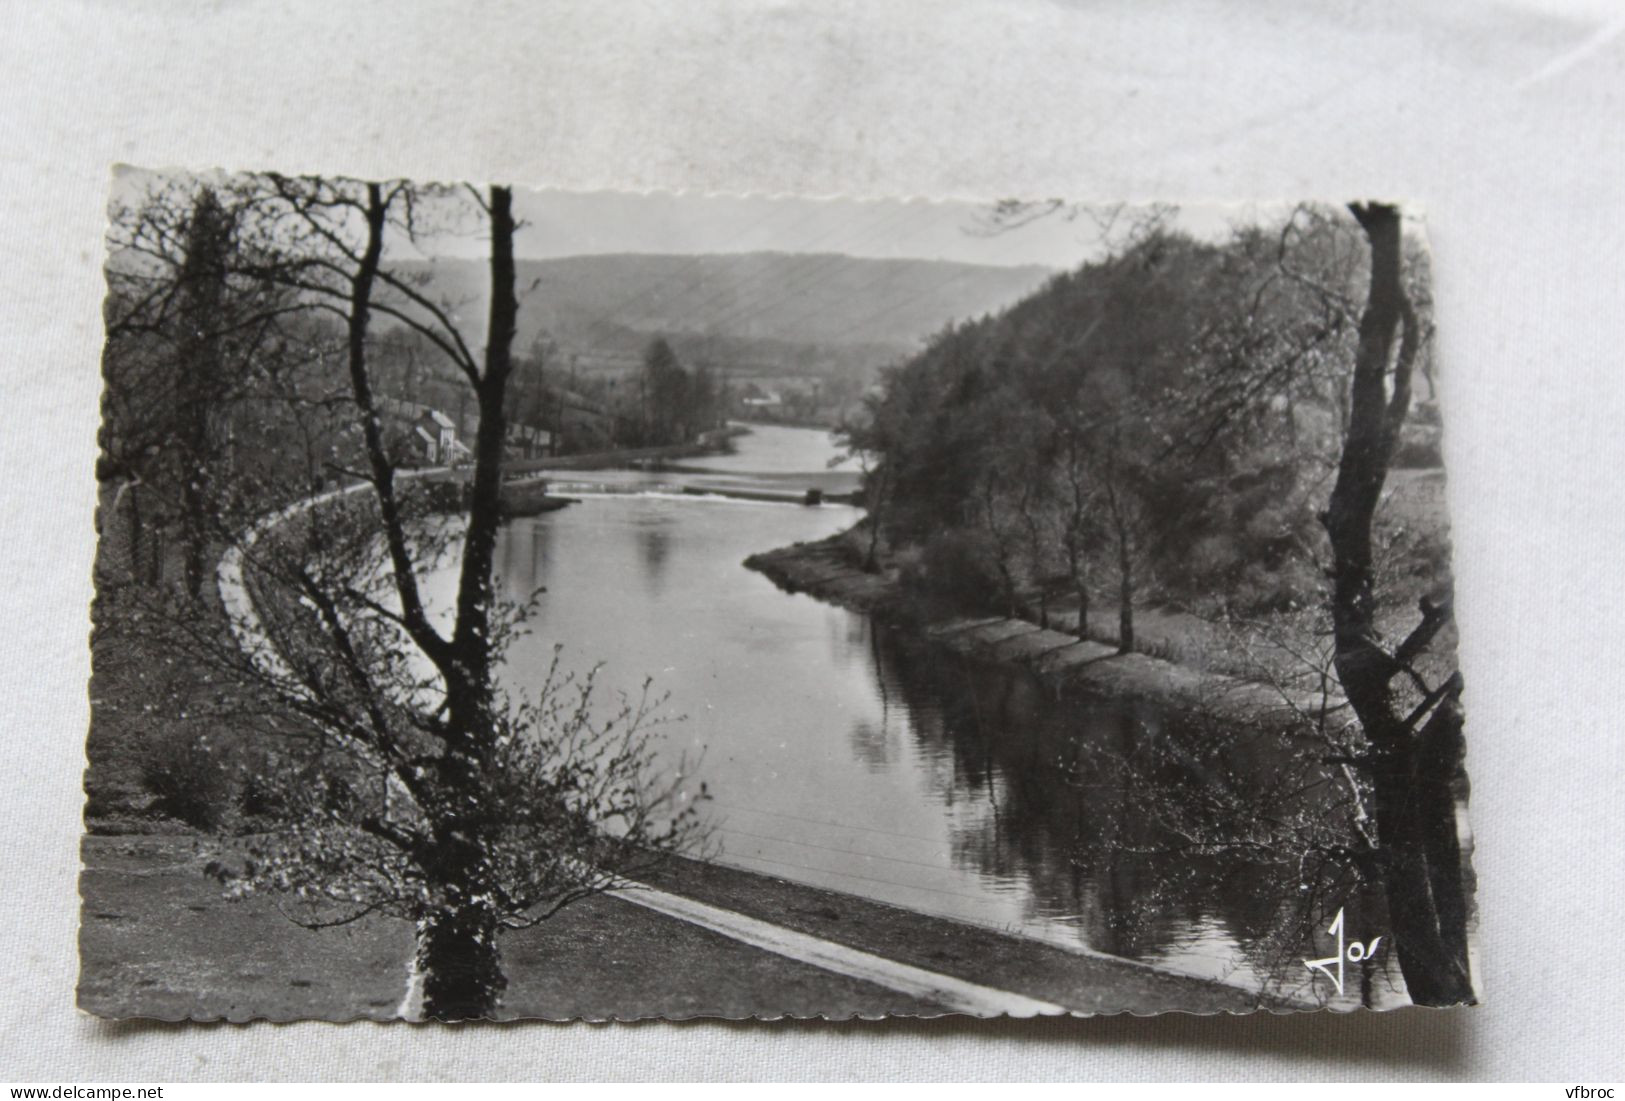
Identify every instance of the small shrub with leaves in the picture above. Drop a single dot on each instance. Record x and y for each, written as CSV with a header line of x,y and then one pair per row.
x,y
190,781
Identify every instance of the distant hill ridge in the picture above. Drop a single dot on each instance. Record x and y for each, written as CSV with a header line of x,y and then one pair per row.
x,y
765,298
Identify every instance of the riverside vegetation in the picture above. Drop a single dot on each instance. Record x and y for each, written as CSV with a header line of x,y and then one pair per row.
x,y
1225,433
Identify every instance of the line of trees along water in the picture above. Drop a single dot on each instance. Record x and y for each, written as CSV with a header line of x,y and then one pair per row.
x,y
1212,426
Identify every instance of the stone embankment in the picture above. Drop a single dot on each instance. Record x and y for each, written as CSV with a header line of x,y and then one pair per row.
x,y
530,497
825,570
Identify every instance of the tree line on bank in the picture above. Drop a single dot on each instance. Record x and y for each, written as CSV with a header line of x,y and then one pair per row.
x,y
665,402
1211,425
672,404
1163,423
219,388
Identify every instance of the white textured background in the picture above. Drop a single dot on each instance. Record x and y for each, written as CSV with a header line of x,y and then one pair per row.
x,y
1505,121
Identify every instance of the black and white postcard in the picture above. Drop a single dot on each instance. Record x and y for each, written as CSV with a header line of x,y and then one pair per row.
x,y
533,604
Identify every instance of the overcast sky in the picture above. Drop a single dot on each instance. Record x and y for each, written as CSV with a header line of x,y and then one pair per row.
x,y
572,224
565,223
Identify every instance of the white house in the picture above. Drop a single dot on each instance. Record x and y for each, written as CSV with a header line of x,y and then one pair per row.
x,y
435,434
425,443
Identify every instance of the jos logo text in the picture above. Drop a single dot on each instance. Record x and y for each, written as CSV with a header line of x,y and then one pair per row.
x,y
1332,966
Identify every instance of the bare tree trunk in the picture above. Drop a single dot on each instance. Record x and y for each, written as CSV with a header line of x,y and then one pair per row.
x,y
135,533
1029,517
460,963
462,969
871,559
1125,570
1082,589
1421,857
1075,573
643,411
1078,573
382,470
1076,563
1001,550
1007,582
1125,598
457,952
195,533
201,385
1411,771
474,590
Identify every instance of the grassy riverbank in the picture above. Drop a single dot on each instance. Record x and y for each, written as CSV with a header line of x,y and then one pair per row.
x,y
158,940
1288,651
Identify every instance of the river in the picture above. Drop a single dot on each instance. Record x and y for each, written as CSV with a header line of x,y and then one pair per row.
x,y
841,754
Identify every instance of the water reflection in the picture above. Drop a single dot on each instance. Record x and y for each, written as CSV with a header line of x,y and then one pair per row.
x,y
1138,832
654,546
848,756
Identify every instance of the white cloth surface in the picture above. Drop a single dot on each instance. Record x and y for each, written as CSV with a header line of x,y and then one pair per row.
x,y
1503,121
